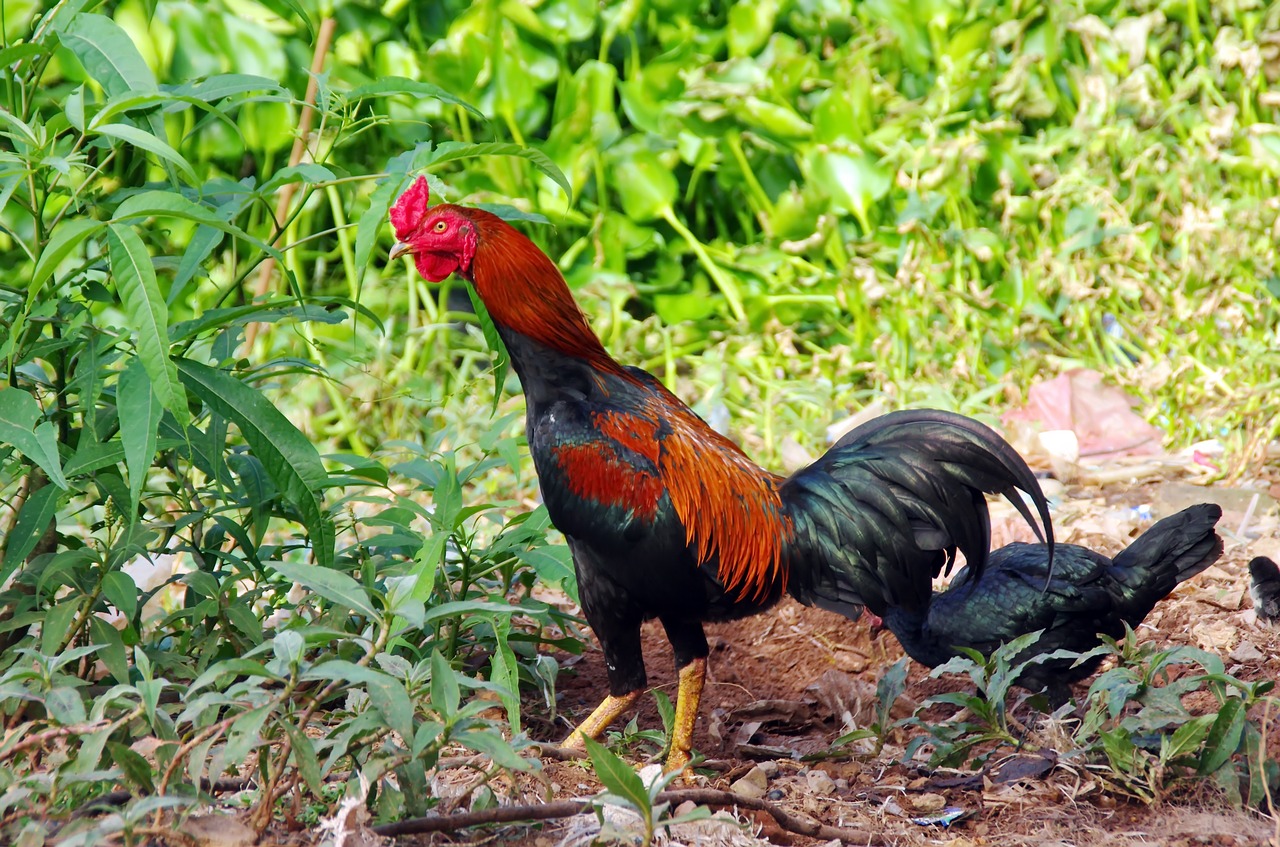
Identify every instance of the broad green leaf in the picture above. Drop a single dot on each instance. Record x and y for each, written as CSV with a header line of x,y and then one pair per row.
x,y
245,734
18,130
21,427
140,406
112,654
108,54
395,85
853,181
645,186
38,510
445,693
617,776
452,150
307,172
289,456
147,141
136,769
135,278
330,584
222,86
12,55
66,237
161,204
119,589
1224,736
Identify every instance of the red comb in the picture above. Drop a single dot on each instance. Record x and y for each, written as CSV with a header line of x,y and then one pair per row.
x,y
409,209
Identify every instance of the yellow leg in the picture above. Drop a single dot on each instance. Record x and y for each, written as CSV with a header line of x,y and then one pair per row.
x,y
596,723
688,697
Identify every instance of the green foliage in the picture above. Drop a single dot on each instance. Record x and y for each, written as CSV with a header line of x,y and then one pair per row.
x,y
628,789
161,502
1134,731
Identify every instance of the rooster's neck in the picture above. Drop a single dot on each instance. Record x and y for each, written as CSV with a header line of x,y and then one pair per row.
x,y
526,294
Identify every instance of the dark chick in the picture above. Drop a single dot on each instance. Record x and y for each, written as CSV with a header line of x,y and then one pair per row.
x,y
1264,588
1087,594
667,519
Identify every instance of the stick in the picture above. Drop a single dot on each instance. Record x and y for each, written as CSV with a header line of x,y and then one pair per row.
x,y
567,808
323,38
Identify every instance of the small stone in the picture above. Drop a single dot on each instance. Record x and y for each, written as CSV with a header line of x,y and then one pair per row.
x,y
929,802
752,785
842,784
769,768
1247,651
820,783
775,795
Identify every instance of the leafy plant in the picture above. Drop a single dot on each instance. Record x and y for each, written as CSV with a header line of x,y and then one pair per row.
x,y
626,788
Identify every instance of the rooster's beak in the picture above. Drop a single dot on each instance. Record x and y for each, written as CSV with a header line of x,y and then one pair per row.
x,y
400,249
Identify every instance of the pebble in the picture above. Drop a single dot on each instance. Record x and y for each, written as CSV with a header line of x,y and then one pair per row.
x,y
769,768
1247,651
820,783
842,784
752,785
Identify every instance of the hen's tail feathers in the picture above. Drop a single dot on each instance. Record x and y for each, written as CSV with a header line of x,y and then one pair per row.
x,y
1172,551
885,509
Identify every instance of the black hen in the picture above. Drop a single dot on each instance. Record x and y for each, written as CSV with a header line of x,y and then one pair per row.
x,y
1087,594
1264,588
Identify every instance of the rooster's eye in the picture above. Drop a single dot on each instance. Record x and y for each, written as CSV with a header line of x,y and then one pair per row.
x,y
440,226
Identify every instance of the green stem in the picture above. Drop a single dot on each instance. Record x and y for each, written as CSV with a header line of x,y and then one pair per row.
x,y
726,285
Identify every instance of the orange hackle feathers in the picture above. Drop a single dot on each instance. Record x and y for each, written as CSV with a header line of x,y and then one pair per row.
x,y
730,508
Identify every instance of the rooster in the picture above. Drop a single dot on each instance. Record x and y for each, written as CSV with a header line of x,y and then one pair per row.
x,y
1086,594
667,519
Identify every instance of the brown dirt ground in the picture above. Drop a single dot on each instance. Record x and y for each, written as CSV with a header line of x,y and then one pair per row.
x,y
782,655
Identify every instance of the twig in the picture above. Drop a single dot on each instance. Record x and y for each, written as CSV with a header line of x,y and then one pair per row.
x,y
568,808
323,38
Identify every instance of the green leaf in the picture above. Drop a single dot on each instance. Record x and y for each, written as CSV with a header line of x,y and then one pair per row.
x,y
138,405
617,776
135,278
19,413
501,361
147,141
39,510
645,186
504,671
289,456
445,694
66,238
332,585
307,172
108,54
136,769
396,85
386,693
1186,739
303,754
854,182
148,204
112,654
119,589
23,132
1224,736
452,150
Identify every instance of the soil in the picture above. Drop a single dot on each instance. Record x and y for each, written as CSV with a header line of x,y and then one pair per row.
x,y
786,684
